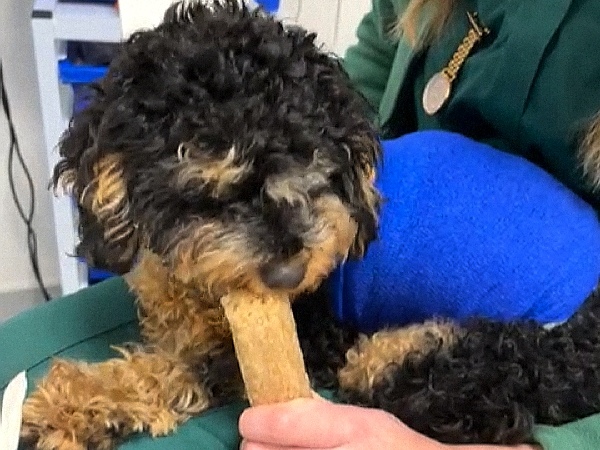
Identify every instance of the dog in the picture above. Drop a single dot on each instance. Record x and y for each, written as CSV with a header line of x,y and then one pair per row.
x,y
224,150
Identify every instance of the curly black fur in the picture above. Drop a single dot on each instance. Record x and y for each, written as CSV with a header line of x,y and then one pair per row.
x,y
219,373
323,340
497,381
215,79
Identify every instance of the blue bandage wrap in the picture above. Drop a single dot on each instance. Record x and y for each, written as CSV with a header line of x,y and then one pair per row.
x,y
469,231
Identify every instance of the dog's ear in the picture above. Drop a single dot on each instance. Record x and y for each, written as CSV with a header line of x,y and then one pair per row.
x,y
96,180
360,190
349,127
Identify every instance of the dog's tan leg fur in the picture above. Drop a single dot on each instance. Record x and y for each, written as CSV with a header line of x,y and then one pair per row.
x,y
80,406
368,360
152,388
175,316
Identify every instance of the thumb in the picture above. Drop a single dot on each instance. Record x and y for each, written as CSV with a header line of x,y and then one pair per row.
x,y
309,423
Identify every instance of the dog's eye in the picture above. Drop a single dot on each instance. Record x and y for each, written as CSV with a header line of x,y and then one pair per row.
x,y
183,152
202,152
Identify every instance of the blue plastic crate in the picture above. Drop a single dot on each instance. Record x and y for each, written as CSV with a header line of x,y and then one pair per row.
x,y
79,77
79,74
269,5
108,2
98,275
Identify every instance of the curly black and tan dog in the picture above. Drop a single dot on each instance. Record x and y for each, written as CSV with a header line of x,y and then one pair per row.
x,y
224,150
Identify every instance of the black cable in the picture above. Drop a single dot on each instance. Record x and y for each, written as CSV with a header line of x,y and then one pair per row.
x,y
26,215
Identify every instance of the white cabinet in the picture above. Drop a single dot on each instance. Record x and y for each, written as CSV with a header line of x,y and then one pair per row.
x,y
54,23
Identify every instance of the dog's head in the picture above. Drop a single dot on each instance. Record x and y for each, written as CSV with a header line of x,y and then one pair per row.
x,y
231,146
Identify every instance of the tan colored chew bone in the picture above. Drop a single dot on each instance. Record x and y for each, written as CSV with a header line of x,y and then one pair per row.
x,y
267,347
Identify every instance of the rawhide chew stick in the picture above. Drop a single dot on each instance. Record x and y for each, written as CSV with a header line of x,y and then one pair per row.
x,y
267,347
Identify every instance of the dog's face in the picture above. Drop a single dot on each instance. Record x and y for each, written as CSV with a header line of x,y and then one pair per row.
x,y
230,146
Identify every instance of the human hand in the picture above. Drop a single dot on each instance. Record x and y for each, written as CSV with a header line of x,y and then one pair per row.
x,y
319,424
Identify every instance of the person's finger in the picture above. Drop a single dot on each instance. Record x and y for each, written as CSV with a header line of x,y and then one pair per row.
x,y
300,423
246,445
317,396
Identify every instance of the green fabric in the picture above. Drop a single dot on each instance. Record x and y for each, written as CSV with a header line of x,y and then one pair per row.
x,y
77,326
581,435
529,88
83,326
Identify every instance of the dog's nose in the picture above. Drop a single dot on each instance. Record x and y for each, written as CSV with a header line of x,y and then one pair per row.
x,y
283,274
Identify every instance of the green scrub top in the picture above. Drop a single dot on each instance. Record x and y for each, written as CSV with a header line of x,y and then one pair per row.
x,y
530,87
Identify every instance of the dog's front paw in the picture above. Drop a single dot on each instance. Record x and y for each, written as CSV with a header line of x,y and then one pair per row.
x,y
45,438
61,415
92,406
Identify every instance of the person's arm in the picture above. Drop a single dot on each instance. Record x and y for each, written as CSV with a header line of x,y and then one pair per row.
x,y
369,61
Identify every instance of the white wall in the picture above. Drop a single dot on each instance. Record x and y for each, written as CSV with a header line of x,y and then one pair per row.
x,y
16,51
335,21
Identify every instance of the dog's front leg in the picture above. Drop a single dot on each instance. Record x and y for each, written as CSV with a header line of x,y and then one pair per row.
x,y
91,406
186,364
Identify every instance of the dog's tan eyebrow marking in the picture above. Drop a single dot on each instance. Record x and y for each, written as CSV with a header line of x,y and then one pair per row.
x,y
182,152
218,174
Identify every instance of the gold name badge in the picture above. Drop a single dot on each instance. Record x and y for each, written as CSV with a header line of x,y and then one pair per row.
x,y
438,88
